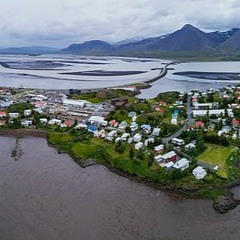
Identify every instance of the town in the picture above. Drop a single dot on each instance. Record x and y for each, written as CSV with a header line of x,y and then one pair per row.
x,y
190,139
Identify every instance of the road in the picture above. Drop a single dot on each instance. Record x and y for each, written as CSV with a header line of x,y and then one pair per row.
x,y
188,122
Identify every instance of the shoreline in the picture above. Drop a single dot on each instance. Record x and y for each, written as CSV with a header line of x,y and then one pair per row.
x,y
222,204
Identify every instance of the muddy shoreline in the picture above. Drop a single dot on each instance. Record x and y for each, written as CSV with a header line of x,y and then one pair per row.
x,y
222,204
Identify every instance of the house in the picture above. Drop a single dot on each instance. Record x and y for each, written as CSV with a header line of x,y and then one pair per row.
x,y
67,124
163,104
199,172
132,114
130,140
117,139
55,121
235,122
226,129
178,141
169,165
81,126
43,120
111,135
2,122
199,124
13,115
92,128
149,140
125,136
170,156
99,134
137,137
156,132
133,126
181,164
202,106
190,146
159,149
27,112
113,123
146,128
122,125
26,123
98,120
3,114
138,145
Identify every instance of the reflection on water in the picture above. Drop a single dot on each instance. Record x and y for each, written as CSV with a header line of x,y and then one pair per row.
x,y
45,195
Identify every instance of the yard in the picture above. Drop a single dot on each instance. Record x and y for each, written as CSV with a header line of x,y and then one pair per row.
x,y
217,156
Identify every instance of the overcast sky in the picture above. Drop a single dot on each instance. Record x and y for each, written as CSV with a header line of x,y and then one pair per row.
x,y
62,22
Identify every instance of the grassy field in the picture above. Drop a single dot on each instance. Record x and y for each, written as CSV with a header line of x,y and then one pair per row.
x,y
217,156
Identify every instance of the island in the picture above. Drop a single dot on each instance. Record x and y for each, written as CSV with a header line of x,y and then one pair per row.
x,y
184,142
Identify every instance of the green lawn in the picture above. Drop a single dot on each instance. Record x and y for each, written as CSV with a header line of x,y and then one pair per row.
x,y
217,155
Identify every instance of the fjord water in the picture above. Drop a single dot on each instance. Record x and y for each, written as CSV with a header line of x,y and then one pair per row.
x,y
46,195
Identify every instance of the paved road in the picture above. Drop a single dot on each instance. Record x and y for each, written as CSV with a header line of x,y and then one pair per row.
x,y
188,122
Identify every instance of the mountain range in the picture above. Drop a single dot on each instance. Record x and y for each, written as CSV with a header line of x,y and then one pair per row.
x,y
187,39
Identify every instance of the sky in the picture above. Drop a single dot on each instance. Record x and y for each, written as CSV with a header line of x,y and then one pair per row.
x,y
59,23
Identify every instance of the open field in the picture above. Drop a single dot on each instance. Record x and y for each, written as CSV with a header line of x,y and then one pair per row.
x,y
217,156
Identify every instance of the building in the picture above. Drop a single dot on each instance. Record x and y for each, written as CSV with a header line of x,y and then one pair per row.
x,y
98,120
3,114
55,121
181,164
133,126
216,112
13,115
178,141
26,123
170,156
137,137
27,112
159,149
111,135
199,172
74,104
138,145
156,132
125,136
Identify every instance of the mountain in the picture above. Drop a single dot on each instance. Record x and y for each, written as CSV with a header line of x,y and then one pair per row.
x,y
232,44
89,48
34,50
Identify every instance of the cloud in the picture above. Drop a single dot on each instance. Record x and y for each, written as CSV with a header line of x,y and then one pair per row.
x,y
61,22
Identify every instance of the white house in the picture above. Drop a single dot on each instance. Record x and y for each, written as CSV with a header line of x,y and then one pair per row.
x,y
181,164
149,140
159,148
130,140
138,145
156,132
110,136
27,112
98,120
199,172
137,137
125,136
190,146
169,165
43,120
133,126
81,126
178,141
13,115
26,123
55,121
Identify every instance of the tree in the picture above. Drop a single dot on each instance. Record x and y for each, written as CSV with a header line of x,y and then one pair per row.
x,y
131,153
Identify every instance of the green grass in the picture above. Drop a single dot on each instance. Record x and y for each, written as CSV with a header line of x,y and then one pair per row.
x,y
217,156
